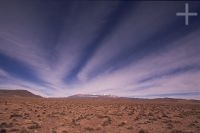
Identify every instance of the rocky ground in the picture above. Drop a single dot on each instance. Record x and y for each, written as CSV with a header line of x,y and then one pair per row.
x,y
40,115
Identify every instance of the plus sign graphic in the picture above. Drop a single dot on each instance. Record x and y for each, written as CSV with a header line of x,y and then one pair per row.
x,y
186,14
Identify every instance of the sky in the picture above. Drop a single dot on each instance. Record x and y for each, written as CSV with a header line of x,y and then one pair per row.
x,y
58,48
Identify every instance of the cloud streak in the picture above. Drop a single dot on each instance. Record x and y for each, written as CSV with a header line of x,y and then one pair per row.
x,y
134,49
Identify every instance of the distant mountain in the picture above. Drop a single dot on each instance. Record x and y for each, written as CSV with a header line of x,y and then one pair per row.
x,y
92,96
17,93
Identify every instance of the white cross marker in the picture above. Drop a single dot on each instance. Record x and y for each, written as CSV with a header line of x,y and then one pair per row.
x,y
186,14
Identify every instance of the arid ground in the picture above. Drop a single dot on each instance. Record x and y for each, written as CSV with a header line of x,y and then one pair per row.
x,y
108,115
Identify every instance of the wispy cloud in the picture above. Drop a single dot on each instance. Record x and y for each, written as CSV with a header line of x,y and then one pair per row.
x,y
135,49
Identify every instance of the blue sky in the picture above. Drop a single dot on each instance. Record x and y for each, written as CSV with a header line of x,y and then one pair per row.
x,y
134,49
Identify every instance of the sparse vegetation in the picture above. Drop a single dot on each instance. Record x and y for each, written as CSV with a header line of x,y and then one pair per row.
x,y
28,115
143,131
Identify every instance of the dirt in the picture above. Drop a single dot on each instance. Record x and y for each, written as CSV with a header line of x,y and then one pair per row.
x,y
98,115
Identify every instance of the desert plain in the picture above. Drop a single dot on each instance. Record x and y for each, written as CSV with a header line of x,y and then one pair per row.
x,y
19,114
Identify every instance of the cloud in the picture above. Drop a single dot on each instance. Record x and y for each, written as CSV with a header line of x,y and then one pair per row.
x,y
18,69
131,36
179,59
136,49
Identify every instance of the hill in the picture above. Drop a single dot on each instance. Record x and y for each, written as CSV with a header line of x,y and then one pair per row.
x,y
91,96
17,93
